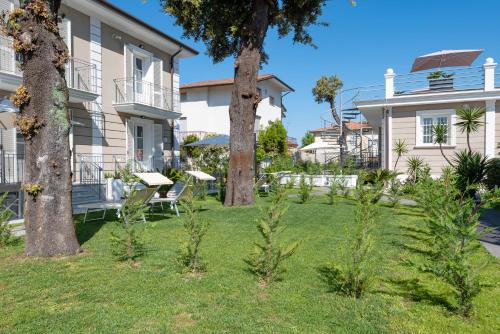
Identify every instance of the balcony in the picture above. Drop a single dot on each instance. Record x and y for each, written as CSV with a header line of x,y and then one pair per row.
x,y
80,74
459,84
144,99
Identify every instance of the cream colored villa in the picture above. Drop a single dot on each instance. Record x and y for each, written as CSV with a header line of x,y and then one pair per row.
x,y
124,93
407,106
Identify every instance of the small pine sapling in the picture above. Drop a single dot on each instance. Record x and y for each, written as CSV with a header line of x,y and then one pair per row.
x,y
196,228
5,229
354,271
305,189
126,241
395,190
332,191
267,258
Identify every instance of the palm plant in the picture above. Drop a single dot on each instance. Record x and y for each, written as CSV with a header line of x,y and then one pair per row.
x,y
440,134
470,120
415,166
400,148
471,168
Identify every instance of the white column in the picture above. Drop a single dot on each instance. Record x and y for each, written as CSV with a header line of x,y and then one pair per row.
x,y
489,74
389,138
96,109
389,83
489,129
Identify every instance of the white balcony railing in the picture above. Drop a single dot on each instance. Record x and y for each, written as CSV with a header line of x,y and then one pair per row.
x,y
129,90
80,74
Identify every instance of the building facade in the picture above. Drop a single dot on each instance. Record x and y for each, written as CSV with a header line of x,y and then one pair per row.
x,y
123,79
205,104
407,106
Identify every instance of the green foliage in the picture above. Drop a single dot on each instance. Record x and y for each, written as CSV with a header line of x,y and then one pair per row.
x,y
201,190
273,141
416,169
280,163
471,169
326,89
308,139
290,184
267,258
394,192
213,160
440,134
192,152
493,174
5,229
400,148
126,174
332,191
305,189
470,120
126,239
196,228
224,26
353,271
452,238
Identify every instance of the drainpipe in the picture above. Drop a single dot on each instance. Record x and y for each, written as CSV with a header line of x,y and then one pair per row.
x,y
172,122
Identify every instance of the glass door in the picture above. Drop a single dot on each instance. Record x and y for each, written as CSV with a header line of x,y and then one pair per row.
x,y
138,80
139,143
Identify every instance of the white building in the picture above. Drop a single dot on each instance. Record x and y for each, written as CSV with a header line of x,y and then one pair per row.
x,y
205,104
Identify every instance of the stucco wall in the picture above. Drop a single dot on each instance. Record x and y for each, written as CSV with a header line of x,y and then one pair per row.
x,y
404,128
207,108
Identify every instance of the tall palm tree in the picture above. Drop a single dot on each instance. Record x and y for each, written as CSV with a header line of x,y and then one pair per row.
x,y
440,134
400,148
470,119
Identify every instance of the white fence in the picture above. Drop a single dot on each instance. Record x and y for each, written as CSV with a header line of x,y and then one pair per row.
x,y
349,181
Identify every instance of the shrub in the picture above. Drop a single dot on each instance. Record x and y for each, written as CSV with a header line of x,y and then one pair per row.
x,y
452,221
189,255
266,260
395,191
126,242
344,189
305,189
332,191
353,272
471,169
290,184
493,174
201,190
5,229
415,168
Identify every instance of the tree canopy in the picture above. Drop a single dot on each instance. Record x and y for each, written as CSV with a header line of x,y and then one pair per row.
x,y
326,89
222,24
272,140
308,139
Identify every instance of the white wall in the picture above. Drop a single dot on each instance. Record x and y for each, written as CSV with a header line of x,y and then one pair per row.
x,y
207,108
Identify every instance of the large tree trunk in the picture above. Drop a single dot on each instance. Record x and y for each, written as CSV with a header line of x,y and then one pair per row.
x,y
343,138
45,124
244,102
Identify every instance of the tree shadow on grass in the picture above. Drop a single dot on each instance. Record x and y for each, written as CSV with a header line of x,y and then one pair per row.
x,y
85,232
414,290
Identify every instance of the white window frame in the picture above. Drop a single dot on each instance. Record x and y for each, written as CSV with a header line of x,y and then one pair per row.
x,y
434,114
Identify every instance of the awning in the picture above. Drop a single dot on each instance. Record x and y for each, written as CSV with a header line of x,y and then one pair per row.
x,y
318,146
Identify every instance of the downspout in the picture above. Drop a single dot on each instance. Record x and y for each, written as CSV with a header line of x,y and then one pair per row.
x,y
172,122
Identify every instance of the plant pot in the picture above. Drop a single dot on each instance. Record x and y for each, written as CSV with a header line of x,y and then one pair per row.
x,y
441,84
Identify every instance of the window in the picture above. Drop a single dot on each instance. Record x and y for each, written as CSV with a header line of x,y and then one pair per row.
x,y
184,97
425,122
139,143
139,74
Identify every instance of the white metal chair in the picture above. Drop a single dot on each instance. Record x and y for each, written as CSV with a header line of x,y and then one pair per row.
x,y
173,197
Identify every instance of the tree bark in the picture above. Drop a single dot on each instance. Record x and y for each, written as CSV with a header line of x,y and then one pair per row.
x,y
343,138
44,122
244,102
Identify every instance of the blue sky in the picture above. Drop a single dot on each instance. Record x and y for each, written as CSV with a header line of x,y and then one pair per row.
x,y
359,45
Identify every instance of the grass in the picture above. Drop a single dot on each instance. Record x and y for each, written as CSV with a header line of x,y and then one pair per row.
x,y
91,293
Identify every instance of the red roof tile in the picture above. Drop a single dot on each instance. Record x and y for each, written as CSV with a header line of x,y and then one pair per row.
x,y
230,81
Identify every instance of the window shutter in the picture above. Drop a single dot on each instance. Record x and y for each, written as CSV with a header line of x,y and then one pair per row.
x,y
158,147
128,84
130,140
158,94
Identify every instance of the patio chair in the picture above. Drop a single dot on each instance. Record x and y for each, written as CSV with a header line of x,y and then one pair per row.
x,y
143,196
140,197
173,197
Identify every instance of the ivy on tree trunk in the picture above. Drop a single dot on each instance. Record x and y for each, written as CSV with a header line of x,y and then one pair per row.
x,y
44,122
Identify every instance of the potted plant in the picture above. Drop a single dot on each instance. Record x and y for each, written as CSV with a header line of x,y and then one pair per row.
x,y
440,80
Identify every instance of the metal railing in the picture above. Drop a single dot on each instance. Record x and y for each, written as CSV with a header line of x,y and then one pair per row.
x,y
130,90
91,172
11,168
423,82
81,75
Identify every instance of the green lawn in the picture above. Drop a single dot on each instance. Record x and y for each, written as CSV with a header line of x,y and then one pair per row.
x,y
91,293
